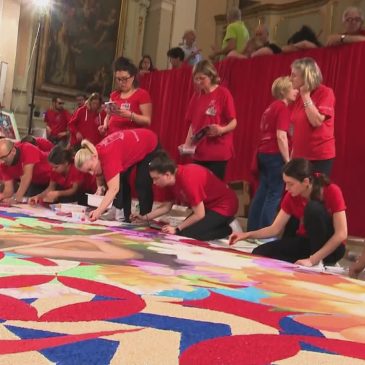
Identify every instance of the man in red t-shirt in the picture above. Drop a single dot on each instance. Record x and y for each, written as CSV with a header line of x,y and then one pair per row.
x,y
353,21
25,163
56,119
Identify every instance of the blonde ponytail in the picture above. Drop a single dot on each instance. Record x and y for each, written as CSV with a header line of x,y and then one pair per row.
x,y
84,154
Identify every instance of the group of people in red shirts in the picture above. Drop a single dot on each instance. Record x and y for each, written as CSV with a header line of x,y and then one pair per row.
x,y
114,140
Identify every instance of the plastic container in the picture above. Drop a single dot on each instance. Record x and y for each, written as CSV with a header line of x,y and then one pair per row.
x,y
78,216
95,200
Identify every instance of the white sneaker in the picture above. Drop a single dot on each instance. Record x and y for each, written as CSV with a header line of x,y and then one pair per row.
x,y
119,215
236,227
113,214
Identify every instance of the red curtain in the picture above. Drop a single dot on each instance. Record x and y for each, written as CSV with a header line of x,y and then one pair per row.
x,y
250,84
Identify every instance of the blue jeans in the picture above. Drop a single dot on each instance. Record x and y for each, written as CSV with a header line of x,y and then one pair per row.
x,y
266,201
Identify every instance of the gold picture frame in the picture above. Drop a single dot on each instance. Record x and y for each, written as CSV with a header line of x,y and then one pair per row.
x,y
8,127
79,41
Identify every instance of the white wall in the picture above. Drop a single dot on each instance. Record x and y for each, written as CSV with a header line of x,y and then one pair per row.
x,y
9,24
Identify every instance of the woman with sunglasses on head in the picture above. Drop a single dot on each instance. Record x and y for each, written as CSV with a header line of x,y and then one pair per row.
x,y
211,115
86,121
320,210
129,107
67,184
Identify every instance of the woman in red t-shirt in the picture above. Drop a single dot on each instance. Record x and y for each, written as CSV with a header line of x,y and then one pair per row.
x,y
319,208
211,116
43,144
313,116
272,154
212,202
86,121
66,184
112,160
129,107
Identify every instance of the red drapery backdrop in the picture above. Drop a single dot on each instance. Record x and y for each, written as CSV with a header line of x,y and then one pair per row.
x,y
250,84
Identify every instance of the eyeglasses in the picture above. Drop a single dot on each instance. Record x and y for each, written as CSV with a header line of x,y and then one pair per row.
x,y
353,20
123,79
5,156
200,78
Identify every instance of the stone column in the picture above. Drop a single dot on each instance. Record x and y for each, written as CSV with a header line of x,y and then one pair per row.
x,y
158,30
136,17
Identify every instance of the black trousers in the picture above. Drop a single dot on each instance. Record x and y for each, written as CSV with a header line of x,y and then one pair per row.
x,y
319,227
34,189
323,166
217,167
143,185
212,226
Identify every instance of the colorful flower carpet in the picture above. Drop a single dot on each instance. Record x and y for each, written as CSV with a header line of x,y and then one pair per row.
x,y
89,294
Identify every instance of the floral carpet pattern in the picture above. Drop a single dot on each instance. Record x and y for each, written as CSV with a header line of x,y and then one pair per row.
x,y
74,293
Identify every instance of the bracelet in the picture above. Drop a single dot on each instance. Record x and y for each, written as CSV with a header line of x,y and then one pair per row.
x,y
308,103
132,114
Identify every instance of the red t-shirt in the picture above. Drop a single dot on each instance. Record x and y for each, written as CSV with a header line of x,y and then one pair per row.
x,y
216,107
121,150
86,182
332,199
133,103
29,154
315,143
195,184
57,120
86,122
44,144
276,117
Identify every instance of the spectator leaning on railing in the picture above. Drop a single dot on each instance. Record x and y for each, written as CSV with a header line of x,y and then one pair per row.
x,y
353,21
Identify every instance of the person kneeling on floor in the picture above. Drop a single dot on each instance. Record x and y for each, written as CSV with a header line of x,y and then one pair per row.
x,y
212,202
312,217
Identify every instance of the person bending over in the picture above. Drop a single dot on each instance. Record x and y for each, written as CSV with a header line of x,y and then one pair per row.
x,y
319,208
67,184
43,144
212,202
112,160
23,163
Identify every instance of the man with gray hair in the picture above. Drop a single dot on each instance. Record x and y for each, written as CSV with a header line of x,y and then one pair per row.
x,y
352,20
236,36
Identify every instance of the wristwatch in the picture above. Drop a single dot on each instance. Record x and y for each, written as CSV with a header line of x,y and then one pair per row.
x,y
342,39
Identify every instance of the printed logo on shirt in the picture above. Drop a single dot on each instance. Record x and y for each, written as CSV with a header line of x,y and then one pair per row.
x,y
211,111
125,106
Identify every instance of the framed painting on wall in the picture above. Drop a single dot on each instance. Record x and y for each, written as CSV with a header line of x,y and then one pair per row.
x,y
8,127
80,40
